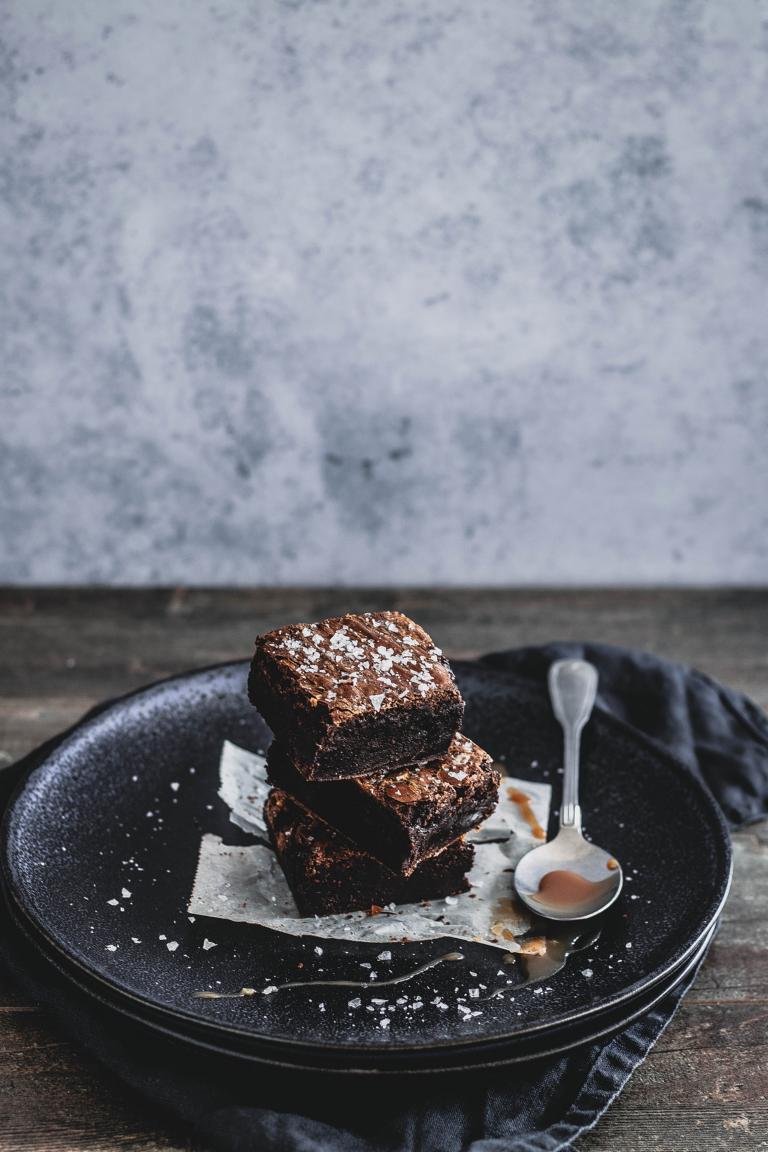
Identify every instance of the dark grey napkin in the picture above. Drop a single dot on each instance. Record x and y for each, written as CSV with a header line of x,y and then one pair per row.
x,y
541,1107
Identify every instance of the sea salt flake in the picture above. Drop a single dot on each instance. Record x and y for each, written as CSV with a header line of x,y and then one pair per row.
x,y
208,944
455,775
125,894
114,903
587,972
377,700
318,950
270,988
354,1003
384,956
174,786
384,1023
172,945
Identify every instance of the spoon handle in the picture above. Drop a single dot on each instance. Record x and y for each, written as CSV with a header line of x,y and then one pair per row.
x,y
572,690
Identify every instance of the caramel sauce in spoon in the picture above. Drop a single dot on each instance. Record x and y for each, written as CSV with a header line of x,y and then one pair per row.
x,y
563,890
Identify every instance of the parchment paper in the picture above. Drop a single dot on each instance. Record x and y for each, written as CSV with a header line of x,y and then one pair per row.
x,y
246,883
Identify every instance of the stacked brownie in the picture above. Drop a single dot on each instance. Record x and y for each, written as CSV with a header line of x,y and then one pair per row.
x,y
374,786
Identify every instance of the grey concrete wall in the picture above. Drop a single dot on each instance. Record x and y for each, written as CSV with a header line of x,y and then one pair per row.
x,y
386,291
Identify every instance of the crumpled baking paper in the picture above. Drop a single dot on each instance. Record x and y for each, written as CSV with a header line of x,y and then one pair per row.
x,y
246,883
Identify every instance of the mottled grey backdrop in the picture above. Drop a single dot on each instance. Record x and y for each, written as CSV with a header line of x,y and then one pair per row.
x,y
385,291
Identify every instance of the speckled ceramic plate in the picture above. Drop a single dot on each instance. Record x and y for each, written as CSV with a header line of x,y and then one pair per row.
x,y
161,1027
103,884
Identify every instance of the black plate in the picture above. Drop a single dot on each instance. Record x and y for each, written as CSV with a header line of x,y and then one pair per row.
x,y
236,1047
100,815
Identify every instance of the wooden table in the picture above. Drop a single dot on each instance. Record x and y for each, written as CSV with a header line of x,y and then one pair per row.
x,y
704,1086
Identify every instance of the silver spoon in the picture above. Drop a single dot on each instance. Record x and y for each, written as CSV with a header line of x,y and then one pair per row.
x,y
569,878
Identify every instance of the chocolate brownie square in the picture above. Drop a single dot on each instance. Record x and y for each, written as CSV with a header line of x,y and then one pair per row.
x,y
329,874
354,694
405,815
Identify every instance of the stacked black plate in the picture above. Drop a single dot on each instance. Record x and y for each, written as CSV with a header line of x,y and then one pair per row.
x,y
100,846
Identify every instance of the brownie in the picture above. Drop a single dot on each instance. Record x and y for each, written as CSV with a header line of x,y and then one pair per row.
x,y
405,815
355,694
328,874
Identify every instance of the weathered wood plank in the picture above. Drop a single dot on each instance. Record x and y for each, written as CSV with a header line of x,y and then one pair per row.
x,y
54,1097
705,1085
68,645
702,1088
119,640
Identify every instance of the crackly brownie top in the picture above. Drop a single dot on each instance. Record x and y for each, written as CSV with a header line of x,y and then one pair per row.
x,y
445,782
357,663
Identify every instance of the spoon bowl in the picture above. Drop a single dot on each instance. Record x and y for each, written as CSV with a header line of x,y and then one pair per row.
x,y
569,878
